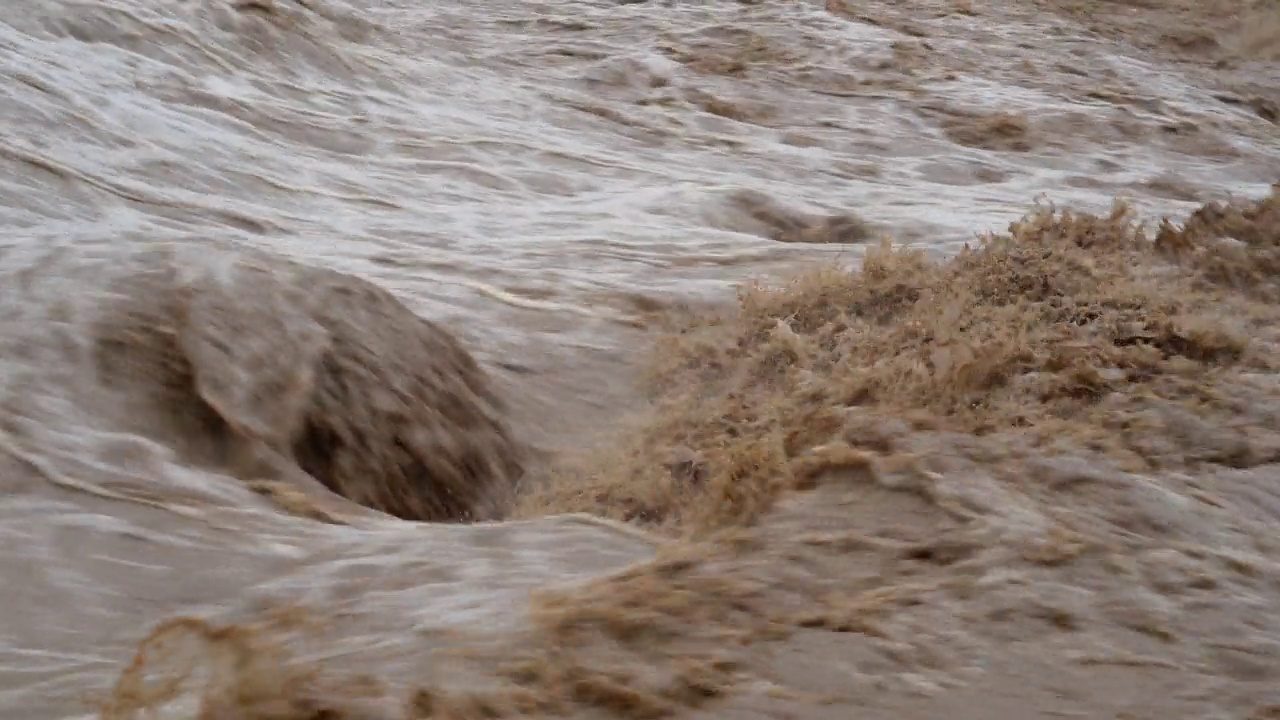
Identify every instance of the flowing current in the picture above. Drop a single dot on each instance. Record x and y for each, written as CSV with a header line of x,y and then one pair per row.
x,y
537,177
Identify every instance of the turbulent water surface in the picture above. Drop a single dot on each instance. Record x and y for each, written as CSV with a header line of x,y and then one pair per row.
x,y
538,177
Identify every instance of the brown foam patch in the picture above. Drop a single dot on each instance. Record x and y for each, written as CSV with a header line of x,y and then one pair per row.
x,y
1069,330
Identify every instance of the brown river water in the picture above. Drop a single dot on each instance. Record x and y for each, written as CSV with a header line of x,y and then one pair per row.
x,y
544,180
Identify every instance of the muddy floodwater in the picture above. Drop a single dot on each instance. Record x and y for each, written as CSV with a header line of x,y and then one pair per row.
x,y
406,359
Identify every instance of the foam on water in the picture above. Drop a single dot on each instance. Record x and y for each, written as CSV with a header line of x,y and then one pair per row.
x,y
519,171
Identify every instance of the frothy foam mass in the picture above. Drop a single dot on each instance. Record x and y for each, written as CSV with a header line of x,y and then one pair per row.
x,y
389,361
